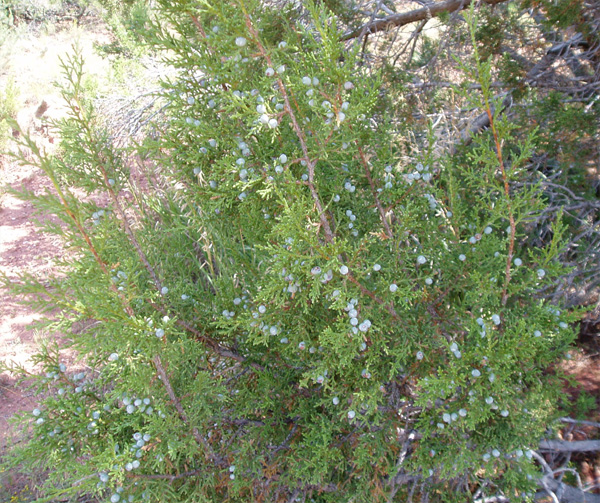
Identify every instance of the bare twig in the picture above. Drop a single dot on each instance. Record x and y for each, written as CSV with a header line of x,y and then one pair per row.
x,y
579,421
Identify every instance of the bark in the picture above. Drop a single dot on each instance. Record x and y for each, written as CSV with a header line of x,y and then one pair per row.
x,y
412,16
564,446
567,493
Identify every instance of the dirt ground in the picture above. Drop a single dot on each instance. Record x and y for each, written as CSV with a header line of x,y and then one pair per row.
x,y
32,63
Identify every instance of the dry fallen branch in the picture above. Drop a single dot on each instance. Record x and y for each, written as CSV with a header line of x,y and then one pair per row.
x,y
564,446
567,493
404,18
569,420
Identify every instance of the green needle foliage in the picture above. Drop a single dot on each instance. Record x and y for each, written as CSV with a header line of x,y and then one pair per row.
x,y
282,307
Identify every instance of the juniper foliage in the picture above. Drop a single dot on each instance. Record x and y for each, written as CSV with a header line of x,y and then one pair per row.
x,y
283,308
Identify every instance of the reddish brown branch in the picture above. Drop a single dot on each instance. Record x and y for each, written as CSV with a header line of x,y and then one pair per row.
x,y
210,454
198,25
329,235
211,343
128,230
511,219
374,192
160,476
365,291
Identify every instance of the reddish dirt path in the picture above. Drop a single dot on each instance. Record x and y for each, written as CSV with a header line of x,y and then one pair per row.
x,y
23,248
33,65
